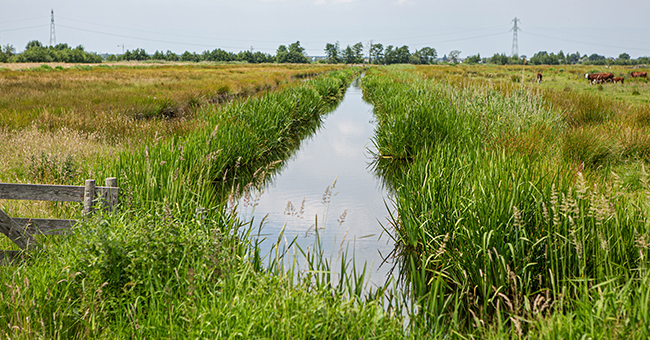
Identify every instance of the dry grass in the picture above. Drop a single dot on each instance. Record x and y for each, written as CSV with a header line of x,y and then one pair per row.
x,y
605,124
57,124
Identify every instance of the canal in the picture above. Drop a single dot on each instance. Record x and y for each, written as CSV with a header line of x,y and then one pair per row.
x,y
329,184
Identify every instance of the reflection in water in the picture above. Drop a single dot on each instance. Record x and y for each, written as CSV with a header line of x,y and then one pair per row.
x,y
327,186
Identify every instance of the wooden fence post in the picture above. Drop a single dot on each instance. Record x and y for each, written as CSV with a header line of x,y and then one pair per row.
x,y
89,195
111,194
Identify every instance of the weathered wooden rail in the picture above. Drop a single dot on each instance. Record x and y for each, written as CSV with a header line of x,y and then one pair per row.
x,y
21,230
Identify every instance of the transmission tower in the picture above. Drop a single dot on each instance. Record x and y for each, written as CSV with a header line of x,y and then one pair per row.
x,y
52,34
515,43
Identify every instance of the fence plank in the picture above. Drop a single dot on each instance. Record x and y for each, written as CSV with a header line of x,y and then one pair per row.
x,y
45,226
40,192
15,232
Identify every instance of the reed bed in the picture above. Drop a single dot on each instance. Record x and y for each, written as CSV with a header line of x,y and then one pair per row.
x,y
495,240
175,262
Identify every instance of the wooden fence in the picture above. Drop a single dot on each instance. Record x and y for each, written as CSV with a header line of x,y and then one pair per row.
x,y
21,230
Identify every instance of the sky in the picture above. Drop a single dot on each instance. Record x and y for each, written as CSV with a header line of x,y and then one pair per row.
x,y
604,27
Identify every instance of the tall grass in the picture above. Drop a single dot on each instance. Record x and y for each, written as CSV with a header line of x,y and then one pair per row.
x,y
175,263
491,238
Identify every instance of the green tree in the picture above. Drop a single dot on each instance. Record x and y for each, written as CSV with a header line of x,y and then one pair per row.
x,y
573,58
186,56
376,53
358,52
473,59
332,53
426,55
158,56
171,56
293,54
32,44
498,59
454,56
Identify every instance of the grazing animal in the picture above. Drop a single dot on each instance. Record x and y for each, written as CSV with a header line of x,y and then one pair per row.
x,y
597,78
621,79
639,74
539,78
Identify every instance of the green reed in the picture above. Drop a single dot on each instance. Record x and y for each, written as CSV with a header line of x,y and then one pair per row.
x,y
175,262
487,235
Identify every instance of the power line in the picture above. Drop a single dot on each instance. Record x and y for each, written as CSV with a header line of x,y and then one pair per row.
x,y
167,34
586,43
22,20
145,39
462,39
23,28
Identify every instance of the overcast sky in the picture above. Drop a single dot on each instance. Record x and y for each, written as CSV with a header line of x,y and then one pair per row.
x,y
605,27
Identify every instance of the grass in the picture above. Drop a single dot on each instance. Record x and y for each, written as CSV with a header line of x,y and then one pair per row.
x,y
87,115
175,262
520,213
498,229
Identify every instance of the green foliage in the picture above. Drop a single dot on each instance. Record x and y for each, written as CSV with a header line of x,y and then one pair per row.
x,y
332,53
294,54
474,59
35,52
376,53
52,168
495,239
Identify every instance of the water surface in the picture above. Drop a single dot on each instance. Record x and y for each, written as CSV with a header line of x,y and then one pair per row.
x,y
329,183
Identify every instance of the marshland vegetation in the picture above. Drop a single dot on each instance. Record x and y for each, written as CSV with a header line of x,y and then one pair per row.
x,y
521,207
522,210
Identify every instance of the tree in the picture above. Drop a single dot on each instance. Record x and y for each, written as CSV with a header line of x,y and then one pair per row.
x,y
348,55
573,58
376,53
171,56
32,44
561,58
6,52
453,56
596,59
9,50
473,59
332,53
498,59
158,56
294,54
186,56
358,52
426,55
354,54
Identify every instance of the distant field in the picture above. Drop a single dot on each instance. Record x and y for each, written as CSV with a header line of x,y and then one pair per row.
x,y
57,123
559,77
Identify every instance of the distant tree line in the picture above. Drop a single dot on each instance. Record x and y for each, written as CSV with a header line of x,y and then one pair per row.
x,y
545,58
378,54
35,52
294,53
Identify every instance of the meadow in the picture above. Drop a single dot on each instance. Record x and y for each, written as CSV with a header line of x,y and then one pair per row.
x,y
63,122
522,208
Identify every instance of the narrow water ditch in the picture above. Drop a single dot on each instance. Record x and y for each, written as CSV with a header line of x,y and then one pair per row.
x,y
329,184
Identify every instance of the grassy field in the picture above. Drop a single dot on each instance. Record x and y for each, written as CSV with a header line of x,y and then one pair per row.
x,y
516,216
62,124
522,207
175,262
